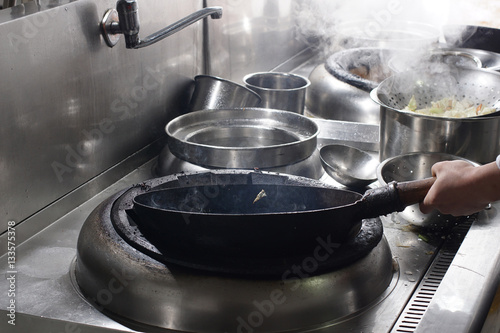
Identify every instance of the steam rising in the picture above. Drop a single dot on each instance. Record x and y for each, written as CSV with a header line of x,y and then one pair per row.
x,y
365,41
322,21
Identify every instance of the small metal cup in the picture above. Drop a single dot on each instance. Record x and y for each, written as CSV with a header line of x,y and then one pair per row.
x,y
282,91
211,92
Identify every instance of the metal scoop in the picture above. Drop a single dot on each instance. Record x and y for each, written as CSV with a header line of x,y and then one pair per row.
x,y
349,166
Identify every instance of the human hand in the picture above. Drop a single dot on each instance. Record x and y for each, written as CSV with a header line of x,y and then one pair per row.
x,y
461,188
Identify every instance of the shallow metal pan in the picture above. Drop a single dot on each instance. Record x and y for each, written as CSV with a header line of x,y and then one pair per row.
x,y
242,138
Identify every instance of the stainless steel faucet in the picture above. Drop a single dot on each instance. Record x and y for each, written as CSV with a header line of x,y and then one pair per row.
x,y
125,20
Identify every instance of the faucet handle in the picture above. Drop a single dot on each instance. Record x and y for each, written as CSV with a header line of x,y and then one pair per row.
x,y
110,27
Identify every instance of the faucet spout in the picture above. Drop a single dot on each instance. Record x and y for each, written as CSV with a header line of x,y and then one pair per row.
x,y
125,20
213,12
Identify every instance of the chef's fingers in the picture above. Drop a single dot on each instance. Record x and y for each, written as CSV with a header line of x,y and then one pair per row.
x,y
425,207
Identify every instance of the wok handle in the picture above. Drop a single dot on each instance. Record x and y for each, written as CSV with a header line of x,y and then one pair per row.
x,y
414,191
394,197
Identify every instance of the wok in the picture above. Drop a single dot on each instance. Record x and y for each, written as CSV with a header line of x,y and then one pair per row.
x,y
256,220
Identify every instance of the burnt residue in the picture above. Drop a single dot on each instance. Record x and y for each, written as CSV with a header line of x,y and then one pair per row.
x,y
363,68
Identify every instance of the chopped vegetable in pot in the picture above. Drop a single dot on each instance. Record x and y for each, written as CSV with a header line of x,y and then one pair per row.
x,y
450,107
259,196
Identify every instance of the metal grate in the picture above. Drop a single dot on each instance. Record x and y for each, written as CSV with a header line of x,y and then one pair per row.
x,y
419,302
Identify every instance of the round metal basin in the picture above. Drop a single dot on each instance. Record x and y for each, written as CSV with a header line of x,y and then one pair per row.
x,y
414,166
242,138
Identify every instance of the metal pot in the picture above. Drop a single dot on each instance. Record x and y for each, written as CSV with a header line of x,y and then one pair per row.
x,y
472,36
476,139
281,91
211,92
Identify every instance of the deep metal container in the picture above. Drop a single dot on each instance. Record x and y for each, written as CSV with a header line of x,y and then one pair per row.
x,y
281,91
476,139
211,92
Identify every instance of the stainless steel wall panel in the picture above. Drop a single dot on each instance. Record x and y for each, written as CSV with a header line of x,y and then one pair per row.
x,y
71,107
255,35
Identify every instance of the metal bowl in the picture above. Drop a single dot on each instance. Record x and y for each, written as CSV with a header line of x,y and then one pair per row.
x,y
415,166
348,165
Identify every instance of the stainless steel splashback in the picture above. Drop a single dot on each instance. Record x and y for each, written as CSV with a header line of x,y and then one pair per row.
x,y
254,36
71,107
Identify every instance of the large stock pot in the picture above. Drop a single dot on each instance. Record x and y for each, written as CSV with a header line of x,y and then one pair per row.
x,y
401,132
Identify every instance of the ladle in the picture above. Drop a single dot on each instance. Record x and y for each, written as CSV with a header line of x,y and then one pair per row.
x,y
348,165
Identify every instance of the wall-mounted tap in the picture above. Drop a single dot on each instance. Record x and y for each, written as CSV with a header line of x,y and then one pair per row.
x,y
125,20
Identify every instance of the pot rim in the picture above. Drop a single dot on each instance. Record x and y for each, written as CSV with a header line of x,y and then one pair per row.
x,y
306,84
220,79
374,96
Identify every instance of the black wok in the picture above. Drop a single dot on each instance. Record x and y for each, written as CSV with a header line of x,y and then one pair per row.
x,y
237,221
